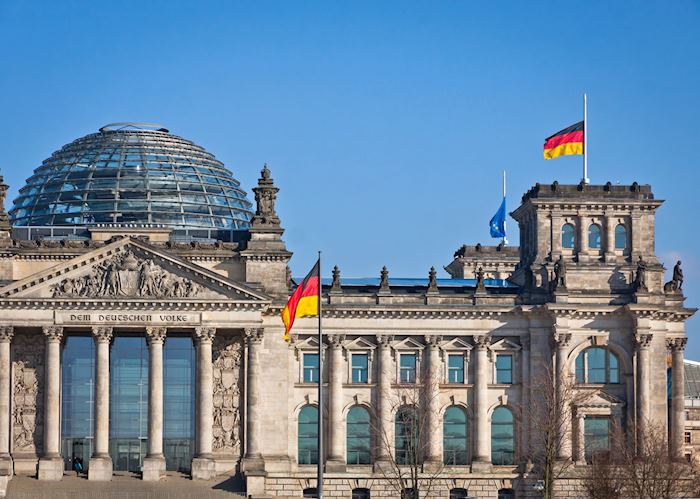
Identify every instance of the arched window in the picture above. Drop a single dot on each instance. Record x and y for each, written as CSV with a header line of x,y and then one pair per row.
x,y
360,494
308,435
597,365
459,494
407,436
594,236
358,436
567,236
454,436
620,236
502,436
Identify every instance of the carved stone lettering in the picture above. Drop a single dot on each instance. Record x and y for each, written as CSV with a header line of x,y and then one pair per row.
x,y
227,351
125,275
28,393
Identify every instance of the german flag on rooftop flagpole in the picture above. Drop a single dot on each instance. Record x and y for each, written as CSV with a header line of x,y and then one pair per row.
x,y
565,142
304,301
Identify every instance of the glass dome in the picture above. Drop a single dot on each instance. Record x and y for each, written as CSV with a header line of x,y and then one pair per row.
x,y
132,173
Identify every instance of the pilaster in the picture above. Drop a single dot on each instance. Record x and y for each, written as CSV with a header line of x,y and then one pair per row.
x,y
643,339
6,334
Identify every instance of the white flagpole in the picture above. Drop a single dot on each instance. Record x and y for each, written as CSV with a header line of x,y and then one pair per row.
x,y
319,469
505,241
585,139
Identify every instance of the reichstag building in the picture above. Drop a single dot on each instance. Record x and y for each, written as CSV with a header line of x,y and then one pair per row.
x,y
140,331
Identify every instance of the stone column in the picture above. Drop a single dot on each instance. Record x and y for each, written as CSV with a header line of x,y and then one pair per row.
x,y
557,223
383,397
677,346
643,340
203,466
562,340
610,223
6,333
100,467
432,400
51,464
336,458
253,461
154,462
579,452
636,236
582,237
525,387
482,459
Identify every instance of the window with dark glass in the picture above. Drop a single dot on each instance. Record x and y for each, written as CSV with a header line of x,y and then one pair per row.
x,y
178,403
567,236
502,436
506,494
620,236
310,367
459,494
594,236
358,436
409,493
360,494
407,436
455,443
407,368
308,435
597,365
504,369
309,492
455,368
596,436
687,438
360,368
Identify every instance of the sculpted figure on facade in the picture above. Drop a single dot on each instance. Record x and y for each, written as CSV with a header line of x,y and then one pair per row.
x,y
640,279
265,197
27,394
676,282
125,275
227,353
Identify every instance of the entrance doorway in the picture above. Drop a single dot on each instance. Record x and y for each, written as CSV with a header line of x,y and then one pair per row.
x,y
128,453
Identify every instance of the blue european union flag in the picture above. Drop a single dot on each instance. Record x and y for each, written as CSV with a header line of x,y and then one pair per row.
x,y
498,222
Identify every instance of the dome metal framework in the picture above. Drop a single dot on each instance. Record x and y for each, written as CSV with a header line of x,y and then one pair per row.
x,y
132,173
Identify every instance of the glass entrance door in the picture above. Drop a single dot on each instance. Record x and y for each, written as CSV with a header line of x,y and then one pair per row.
x,y
128,454
178,434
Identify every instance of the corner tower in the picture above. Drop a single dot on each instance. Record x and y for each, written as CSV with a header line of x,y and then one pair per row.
x,y
598,233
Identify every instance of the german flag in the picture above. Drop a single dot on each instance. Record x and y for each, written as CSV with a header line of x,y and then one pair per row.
x,y
565,142
304,300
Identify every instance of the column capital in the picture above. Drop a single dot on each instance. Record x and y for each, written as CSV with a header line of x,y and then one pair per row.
x,y
53,333
102,334
6,333
482,341
676,344
204,334
433,341
561,339
643,340
254,335
155,334
335,340
384,340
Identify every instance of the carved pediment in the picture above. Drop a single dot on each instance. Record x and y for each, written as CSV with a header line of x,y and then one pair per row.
x,y
130,269
600,400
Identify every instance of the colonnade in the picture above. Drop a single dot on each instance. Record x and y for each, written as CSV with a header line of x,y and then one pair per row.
x,y
100,467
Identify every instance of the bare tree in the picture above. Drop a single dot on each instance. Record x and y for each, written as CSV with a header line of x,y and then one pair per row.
x,y
405,442
550,414
643,470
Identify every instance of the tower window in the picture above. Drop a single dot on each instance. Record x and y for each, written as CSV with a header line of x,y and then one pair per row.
x,y
620,236
567,236
594,236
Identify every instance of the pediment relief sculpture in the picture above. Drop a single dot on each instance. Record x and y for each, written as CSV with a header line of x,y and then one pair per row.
x,y
126,275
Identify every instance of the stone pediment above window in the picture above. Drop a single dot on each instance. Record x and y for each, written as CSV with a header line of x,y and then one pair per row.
x,y
456,345
308,344
360,343
408,344
128,269
599,400
504,345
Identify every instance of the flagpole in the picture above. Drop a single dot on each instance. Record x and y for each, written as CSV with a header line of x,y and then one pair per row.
x,y
585,139
505,241
319,472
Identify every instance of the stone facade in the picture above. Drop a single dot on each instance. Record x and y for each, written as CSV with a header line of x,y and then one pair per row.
x,y
584,281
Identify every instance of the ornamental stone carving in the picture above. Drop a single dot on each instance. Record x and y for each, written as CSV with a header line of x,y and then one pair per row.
x,y
482,341
227,354
204,334
643,340
265,197
156,334
254,335
102,334
53,333
676,344
27,393
125,275
6,333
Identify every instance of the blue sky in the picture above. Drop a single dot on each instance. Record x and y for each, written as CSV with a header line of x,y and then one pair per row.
x,y
386,124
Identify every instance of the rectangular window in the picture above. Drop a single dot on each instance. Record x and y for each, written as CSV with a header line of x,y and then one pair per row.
x,y
455,369
360,367
687,438
407,368
310,368
596,436
504,369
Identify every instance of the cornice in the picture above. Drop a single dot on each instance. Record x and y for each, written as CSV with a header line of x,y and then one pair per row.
x,y
97,304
